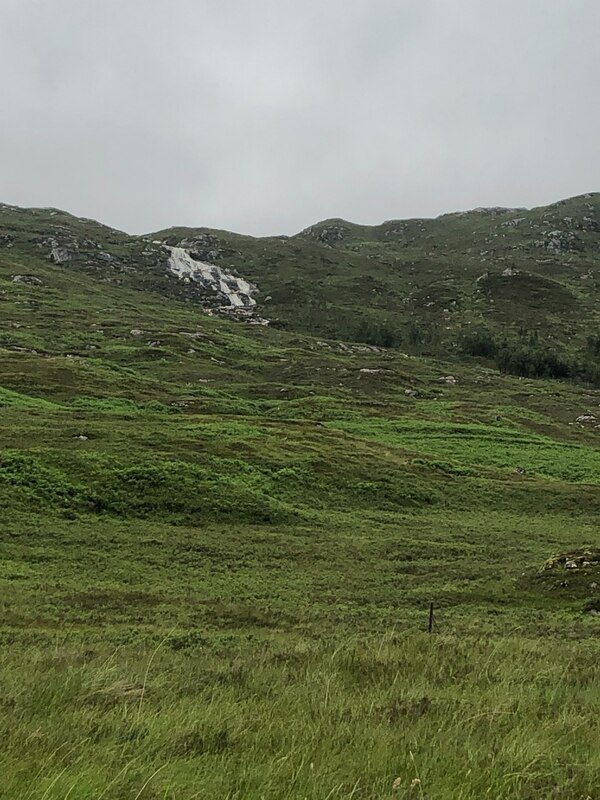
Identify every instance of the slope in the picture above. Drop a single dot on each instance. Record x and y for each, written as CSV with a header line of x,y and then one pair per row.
x,y
220,541
423,284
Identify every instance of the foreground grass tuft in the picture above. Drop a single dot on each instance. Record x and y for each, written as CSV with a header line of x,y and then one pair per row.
x,y
467,717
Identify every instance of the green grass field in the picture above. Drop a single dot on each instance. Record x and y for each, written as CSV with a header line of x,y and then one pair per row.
x,y
249,715
236,607
220,543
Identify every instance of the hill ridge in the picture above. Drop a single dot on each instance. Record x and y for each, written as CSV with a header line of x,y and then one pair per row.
x,y
327,221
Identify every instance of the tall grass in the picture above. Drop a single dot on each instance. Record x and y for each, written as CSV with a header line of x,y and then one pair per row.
x,y
438,716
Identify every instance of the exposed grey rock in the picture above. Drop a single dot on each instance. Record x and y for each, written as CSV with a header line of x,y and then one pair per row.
x,y
31,280
572,560
586,418
328,235
205,247
58,253
398,230
193,334
560,241
16,349
493,211
589,223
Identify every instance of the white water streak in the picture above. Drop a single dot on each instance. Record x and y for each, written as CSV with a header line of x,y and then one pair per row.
x,y
236,291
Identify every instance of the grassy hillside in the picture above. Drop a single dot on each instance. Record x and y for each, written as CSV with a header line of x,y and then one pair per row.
x,y
423,284
220,540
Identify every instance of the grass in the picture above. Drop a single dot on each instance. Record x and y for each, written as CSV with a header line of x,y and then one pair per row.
x,y
440,716
472,445
220,542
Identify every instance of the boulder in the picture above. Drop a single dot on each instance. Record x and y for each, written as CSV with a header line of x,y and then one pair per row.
x,y
30,280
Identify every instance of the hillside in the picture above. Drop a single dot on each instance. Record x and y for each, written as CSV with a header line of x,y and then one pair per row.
x,y
428,281
227,507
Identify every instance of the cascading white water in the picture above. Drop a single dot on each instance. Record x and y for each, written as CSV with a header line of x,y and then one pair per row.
x,y
235,291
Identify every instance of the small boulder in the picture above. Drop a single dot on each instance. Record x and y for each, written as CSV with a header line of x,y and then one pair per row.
x,y
58,253
29,280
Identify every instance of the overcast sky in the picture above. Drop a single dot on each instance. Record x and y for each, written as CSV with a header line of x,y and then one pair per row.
x,y
263,116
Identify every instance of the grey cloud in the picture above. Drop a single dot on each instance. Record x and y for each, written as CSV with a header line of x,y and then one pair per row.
x,y
266,116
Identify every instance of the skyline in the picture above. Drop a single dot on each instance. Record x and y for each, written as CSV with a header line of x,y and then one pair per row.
x,y
269,118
